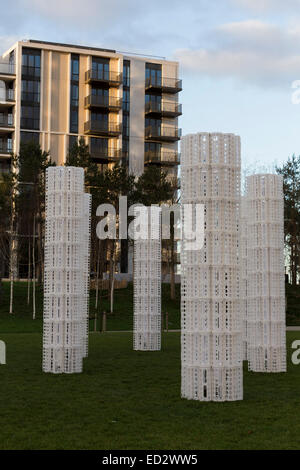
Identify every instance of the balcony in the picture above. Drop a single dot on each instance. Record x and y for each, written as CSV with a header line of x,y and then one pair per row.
x,y
164,85
103,102
162,133
5,147
111,79
164,158
163,109
102,129
7,71
104,156
6,122
8,99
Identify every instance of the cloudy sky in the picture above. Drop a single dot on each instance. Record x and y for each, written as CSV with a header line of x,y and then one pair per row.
x,y
238,58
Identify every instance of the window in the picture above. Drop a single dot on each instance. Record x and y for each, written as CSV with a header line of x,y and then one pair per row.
x,y
75,67
126,73
30,91
74,121
30,117
153,74
100,117
30,137
31,62
74,92
30,88
99,146
153,148
100,67
74,95
72,141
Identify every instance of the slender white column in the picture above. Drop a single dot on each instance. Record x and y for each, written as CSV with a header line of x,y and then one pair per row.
x,y
211,327
243,266
265,268
147,283
66,270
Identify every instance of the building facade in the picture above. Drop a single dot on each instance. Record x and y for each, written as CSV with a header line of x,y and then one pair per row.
x,y
125,107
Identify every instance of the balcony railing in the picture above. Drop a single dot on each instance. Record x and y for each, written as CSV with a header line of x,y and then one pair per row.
x,y
166,85
108,155
110,78
164,157
5,147
101,128
163,133
164,108
7,69
107,102
7,121
9,96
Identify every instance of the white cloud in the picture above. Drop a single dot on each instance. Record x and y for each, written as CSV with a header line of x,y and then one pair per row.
x,y
250,51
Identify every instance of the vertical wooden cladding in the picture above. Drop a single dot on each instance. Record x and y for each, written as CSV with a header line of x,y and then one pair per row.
x,y
60,91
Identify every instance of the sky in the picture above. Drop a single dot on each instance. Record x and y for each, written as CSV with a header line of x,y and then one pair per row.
x,y
238,58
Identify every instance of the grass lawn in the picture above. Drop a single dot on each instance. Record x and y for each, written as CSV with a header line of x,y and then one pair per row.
x,y
131,400
121,319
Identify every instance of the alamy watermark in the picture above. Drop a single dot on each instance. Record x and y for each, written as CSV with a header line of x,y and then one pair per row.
x,y
188,222
2,352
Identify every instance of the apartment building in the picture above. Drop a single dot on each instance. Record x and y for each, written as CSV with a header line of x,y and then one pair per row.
x,y
124,106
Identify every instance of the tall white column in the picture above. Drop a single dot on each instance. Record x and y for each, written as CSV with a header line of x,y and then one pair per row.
x,y
147,281
66,270
244,280
211,327
265,272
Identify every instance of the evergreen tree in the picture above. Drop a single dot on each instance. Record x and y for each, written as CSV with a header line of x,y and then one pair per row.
x,y
290,172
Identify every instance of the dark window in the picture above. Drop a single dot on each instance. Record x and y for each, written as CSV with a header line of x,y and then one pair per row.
x,y
100,68
153,74
126,73
30,88
74,98
27,137
72,141
99,147
75,67
153,147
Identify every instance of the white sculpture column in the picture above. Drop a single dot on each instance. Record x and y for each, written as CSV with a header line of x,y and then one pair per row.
x,y
147,281
244,280
265,268
66,270
211,324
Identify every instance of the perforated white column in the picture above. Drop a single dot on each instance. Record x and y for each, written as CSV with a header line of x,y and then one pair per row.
x,y
243,266
147,282
211,325
265,267
66,270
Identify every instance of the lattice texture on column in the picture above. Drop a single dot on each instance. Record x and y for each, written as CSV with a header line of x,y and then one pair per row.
x,y
147,285
211,338
66,270
265,272
243,266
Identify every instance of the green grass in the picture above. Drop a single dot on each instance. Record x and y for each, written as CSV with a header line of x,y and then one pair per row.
x,y
131,400
120,320
21,321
